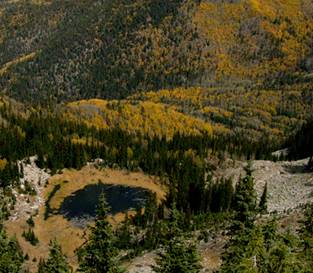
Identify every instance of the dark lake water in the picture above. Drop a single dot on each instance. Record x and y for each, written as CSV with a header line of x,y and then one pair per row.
x,y
80,207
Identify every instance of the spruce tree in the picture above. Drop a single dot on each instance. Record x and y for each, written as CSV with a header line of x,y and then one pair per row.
x,y
30,236
270,233
310,164
11,256
178,256
307,237
98,255
124,233
151,208
283,255
175,222
307,228
246,241
56,262
245,202
244,253
263,201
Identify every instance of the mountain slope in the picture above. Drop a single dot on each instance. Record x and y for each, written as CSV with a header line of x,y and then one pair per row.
x,y
110,49
146,118
258,39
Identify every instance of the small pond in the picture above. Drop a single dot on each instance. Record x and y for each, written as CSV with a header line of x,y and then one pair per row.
x,y
80,207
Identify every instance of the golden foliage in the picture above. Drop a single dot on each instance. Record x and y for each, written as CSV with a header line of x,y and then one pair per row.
x,y
3,163
21,59
254,38
256,113
146,117
194,111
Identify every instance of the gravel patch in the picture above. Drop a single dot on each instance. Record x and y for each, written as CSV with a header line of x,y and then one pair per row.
x,y
290,185
25,204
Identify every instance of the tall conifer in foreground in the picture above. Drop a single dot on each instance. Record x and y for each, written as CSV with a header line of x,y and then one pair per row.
x,y
178,255
245,202
99,254
263,201
243,228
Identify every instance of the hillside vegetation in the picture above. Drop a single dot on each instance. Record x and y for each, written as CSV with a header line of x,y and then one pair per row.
x,y
270,115
56,50
144,117
258,39
191,93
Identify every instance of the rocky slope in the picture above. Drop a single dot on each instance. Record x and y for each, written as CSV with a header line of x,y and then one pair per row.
x,y
290,185
34,179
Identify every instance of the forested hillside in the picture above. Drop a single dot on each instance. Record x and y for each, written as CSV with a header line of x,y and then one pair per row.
x,y
194,200
187,102
56,50
240,115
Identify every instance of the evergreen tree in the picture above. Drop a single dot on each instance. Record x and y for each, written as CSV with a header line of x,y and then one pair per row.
x,y
246,242
56,262
263,200
262,249
30,236
124,233
30,222
98,255
175,222
11,256
245,202
310,164
307,228
270,233
307,237
178,256
282,259
235,258
228,194
151,208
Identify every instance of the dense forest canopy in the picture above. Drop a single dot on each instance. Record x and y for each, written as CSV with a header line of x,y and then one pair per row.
x,y
110,49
